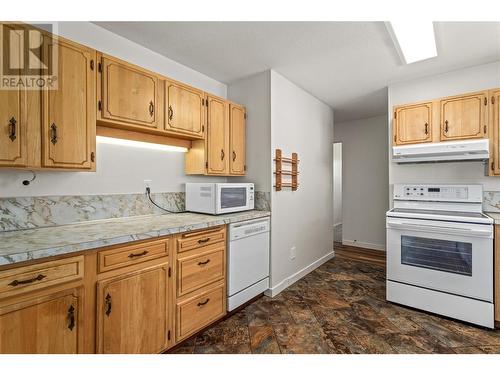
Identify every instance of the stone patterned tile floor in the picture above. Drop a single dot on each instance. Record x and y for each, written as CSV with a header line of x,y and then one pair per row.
x,y
339,308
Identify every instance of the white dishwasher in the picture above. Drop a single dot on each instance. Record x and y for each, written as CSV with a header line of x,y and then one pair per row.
x,y
248,261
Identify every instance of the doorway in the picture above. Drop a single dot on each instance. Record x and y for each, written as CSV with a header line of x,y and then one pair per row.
x,y
337,192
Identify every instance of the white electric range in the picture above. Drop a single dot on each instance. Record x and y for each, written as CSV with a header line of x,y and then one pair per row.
x,y
440,251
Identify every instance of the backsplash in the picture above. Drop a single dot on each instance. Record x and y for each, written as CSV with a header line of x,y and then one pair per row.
x,y
491,201
35,212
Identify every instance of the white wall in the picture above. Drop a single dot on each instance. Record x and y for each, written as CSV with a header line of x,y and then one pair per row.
x,y
255,92
452,83
119,169
303,218
365,181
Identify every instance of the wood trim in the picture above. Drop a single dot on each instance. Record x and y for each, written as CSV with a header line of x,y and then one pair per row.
x,y
132,135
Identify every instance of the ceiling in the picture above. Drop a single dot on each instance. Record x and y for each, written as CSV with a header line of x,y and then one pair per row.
x,y
348,65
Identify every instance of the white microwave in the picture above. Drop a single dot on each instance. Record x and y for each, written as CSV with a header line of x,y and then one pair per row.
x,y
219,198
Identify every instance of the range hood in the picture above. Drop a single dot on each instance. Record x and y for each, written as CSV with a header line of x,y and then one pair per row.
x,y
474,150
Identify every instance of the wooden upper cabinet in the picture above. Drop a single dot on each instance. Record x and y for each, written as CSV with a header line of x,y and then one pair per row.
x,y
13,118
185,110
69,122
413,124
218,136
464,117
44,325
494,120
133,312
129,94
237,122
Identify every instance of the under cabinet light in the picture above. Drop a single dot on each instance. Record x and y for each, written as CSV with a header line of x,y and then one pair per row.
x,y
138,144
414,40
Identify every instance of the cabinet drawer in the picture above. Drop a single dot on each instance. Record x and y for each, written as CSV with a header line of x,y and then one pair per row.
x,y
38,276
199,269
199,311
193,240
132,254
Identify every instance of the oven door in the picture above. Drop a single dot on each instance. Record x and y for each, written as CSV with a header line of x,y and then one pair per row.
x,y
451,257
233,198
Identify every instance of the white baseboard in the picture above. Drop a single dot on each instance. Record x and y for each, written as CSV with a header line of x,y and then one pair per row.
x,y
366,245
274,291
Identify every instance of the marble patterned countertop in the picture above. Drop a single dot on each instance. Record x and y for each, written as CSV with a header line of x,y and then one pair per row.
x,y
30,244
495,216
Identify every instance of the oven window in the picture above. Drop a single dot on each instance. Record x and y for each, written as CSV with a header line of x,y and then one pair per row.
x,y
441,255
233,197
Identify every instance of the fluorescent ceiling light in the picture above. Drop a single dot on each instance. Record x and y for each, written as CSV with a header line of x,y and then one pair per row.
x,y
137,144
415,40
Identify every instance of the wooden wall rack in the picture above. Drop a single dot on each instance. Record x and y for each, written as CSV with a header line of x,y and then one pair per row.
x,y
279,172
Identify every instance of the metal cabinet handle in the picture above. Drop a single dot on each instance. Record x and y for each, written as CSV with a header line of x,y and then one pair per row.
x,y
29,281
222,154
234,155
446,128
53,131
426,128
170,112
12,129
203,263
203,303
71,317
151,108
204,240
132,255
107,301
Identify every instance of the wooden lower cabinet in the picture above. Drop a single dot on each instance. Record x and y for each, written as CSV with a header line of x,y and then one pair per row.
x,y
43,325
140,297
132,312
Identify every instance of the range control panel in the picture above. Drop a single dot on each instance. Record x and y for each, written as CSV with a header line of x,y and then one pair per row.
x,y
450,193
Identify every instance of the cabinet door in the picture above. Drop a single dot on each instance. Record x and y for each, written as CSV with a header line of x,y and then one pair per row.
x,y
132,312
464,117
494,114
413,124
185,110
237,140
46,325
218,136
129,94
69,125
13,117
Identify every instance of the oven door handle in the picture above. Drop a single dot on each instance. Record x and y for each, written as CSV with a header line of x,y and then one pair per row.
x,y
441,229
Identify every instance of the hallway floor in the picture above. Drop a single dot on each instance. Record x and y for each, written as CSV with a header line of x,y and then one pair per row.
x,y
339,308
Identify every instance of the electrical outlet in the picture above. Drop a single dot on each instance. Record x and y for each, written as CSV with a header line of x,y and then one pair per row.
x,y
293,252
147,184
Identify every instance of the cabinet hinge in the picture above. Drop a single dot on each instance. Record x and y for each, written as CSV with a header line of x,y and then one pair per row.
x,y
492,100
206,164
91,64
395,138
99,68
203,128
492,165
245,116
395,114
169,271
92,156
484,129
206,102
203,102
485,101
245,168
99,105
168,335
